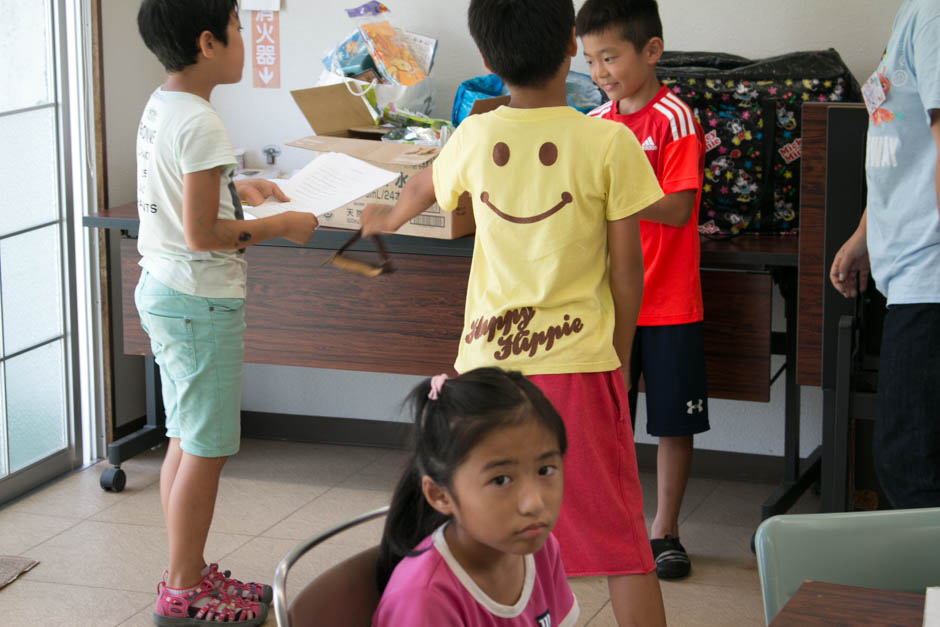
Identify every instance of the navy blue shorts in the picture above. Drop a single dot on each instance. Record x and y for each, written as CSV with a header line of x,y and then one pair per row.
x,y
671,359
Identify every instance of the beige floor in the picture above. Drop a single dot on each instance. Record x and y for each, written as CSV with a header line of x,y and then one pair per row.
x,y
101,553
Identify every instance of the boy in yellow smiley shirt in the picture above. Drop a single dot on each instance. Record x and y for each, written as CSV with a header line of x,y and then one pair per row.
x,y
557,276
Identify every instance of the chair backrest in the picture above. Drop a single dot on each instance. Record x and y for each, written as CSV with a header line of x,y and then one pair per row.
x,y
346,595
892,550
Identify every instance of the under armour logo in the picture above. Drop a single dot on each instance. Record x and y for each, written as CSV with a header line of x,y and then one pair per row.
x,y
695,408
545,620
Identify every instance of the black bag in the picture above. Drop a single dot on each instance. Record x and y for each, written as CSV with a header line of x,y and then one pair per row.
x,y
750,111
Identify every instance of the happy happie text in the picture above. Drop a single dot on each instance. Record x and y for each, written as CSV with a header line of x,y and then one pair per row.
x,y
511,331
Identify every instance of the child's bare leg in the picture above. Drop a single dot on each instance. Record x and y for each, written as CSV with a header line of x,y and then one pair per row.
x,y
171,464
637,600
673,461
190,506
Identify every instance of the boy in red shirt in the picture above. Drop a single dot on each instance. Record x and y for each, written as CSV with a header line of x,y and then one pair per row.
x,y
623,40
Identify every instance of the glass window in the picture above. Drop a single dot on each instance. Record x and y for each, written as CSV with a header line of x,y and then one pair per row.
x,y
26,52
30,288
29,168
36,411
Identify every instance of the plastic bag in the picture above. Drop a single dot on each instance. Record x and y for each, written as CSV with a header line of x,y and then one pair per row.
x,y
387,45
581,92
488,86
351,56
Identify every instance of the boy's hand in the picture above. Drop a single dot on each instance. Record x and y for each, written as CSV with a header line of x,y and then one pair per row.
x,y
254,191
298,226
374,219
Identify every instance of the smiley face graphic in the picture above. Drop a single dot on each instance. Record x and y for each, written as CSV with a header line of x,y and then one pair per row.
x,y
548,155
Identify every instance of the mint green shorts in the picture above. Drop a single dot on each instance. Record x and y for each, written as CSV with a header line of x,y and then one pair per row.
x,y
199,345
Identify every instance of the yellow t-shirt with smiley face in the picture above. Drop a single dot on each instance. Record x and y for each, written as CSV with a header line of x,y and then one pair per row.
x,y
544,182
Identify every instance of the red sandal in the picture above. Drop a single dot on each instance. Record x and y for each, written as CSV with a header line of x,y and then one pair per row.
x,y
249,591
177,610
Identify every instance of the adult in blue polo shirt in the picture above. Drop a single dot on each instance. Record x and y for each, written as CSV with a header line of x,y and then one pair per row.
x,y
898,241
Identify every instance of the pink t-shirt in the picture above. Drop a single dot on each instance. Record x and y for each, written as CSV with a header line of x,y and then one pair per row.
x,y
432,590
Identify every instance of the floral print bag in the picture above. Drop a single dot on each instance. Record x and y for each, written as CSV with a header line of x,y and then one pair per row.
x,y
750,111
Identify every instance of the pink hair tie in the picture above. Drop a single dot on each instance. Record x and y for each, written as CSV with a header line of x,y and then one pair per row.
x,y
437,383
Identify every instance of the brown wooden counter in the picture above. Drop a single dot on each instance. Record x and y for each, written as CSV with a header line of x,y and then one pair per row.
x,y
300,313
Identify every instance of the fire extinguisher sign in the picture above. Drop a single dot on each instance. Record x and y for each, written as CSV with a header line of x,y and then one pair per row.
x,y
266,49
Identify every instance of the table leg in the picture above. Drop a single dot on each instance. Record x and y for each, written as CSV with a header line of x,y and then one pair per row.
x,y
797,477
145,438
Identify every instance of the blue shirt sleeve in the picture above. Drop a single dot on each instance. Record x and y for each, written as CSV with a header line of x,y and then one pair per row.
x,y
926,61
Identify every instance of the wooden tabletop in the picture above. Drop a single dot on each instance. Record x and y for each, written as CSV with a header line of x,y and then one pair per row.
x,y
817,603
744,251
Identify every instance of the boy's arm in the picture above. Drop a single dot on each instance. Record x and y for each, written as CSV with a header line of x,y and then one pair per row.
x,y
416,196
204,231
626,284
673,209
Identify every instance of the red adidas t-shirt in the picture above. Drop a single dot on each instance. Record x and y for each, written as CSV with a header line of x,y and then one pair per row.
x,y
675,145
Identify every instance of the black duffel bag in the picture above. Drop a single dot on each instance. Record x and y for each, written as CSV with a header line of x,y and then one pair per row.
x,y
750,111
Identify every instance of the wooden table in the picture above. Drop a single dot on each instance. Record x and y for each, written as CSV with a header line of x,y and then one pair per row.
x,y
817,603
302,314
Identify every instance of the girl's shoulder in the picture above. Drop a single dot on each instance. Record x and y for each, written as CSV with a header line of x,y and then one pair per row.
x,y
420,592
418,570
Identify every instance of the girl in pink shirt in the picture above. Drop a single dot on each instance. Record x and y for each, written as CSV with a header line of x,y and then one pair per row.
x,y
468,536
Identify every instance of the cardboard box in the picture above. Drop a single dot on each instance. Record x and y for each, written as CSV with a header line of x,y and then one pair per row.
x,y
336,116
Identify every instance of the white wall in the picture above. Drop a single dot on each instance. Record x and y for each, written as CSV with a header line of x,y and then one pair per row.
x,y
858,29
130,74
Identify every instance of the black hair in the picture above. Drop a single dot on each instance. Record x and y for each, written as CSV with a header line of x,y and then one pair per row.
x,y
637,20
171,28
524,42
468,408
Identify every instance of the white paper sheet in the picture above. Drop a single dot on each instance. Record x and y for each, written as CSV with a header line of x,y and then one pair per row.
x,y
932,608
325,184
260,5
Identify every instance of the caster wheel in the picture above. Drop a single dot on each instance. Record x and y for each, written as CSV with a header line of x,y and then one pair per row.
x,y
113,480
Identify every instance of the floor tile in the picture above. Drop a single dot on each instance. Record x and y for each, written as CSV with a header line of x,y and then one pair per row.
x,y
733,503
36,604
808,503
718,542
699,605
243,506
107,550
141,618
696,492
79,495
257,560
605,618
108,555
592,595
20,531
298,463
332,508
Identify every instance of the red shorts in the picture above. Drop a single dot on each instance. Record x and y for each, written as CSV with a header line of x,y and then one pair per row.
x,y
600,528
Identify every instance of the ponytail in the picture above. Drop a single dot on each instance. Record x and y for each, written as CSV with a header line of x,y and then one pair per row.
x,y
410,520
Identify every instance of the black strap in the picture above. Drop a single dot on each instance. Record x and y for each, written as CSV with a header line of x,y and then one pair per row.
x,y
766,206
384,258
